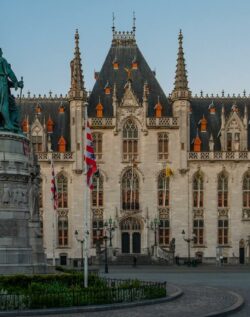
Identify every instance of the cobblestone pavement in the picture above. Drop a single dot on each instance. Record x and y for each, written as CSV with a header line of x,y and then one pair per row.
x,y
204,291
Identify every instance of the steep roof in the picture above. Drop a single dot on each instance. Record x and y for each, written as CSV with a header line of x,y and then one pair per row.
x,y
124,51
49,108
200,106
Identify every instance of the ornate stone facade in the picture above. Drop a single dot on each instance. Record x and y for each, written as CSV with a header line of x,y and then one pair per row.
x,y
150,187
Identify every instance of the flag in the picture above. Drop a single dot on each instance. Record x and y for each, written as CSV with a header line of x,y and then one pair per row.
x,y
53,187
89,157
169,172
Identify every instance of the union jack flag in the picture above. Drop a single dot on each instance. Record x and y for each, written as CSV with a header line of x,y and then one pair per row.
x,y
53,187
90,157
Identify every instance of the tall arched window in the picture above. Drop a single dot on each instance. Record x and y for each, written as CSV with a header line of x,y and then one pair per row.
x,y
162,146
246,191
62,188
97,192
62,231
130,140
222,190
198,190
130,190
163,190
37,142
97,142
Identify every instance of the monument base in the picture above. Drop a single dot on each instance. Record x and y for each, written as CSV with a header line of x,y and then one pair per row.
x,y
21,246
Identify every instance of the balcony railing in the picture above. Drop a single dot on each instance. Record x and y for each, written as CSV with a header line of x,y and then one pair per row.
x,y
218,156
163,122
107,123
56,156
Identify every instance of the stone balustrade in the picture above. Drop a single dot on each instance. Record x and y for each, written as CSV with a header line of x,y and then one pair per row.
x,y
102,123
219,156
56,156
163,122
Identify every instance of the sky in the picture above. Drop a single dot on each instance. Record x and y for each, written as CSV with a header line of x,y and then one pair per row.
x,y
37,38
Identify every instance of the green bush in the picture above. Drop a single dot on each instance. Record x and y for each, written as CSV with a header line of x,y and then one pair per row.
x,y
64,290
18,283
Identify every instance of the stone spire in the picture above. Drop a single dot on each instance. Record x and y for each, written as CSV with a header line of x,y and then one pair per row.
x,y
77,84
180,90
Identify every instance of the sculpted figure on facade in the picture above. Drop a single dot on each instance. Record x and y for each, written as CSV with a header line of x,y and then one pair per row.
x,y
6,195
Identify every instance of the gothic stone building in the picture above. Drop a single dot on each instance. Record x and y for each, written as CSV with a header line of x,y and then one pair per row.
x,y
167,164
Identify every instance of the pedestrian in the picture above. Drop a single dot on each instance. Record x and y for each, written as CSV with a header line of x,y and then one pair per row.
x,y
134,261
177,260
221,260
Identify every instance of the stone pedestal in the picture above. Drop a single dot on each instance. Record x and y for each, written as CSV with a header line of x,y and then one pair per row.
x,y
21,249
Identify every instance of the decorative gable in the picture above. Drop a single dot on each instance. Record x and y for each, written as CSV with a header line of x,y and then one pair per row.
x,y
234,134
129,99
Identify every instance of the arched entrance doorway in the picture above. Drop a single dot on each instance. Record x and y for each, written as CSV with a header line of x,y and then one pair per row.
x,y
131,235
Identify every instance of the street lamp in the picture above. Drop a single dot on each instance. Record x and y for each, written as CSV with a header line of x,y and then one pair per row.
x,y
105,238
110,227
188,240
81,241
155,226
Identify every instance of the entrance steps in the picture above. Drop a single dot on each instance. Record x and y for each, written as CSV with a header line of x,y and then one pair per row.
x,y
128,259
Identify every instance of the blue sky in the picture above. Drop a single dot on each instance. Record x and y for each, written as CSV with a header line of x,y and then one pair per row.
x,y
37,38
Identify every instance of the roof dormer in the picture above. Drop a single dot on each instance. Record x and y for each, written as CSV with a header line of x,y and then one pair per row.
x,y
99,109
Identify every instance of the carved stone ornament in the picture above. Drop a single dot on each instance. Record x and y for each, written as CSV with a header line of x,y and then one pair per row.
x,y
97,213
62,212
13,196
223,212
246,214
198,213
164,213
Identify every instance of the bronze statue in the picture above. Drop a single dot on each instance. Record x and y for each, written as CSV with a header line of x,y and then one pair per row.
x,y
9,116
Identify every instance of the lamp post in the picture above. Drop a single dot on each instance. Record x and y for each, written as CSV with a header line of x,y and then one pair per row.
x,y
106,253
188,240
81,241
110,227
155,226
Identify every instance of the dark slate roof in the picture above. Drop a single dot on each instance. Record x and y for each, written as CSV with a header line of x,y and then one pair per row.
x,y
49,107
200,107
124,55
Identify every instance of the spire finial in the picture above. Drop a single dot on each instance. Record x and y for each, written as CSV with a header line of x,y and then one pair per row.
x,y
181,81
77,83
113,22
180,37
134,18
76,38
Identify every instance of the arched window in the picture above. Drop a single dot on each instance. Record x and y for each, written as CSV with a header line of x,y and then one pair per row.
x,y
164,232
62,188
198,230
162,146
130,223
222,190
130,141
163,190
130,190
37,142
97,192
198,190
62,231
97,142
246,191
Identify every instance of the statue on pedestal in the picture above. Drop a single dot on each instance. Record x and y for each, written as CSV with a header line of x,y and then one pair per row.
x,y
9,115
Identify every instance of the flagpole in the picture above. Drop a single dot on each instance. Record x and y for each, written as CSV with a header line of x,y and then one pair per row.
x,y
85,211
54,217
